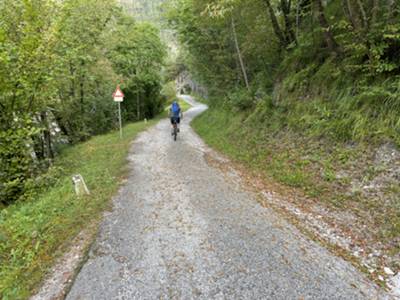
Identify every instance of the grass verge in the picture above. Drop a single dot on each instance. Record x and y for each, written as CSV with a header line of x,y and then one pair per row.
x,y
184,105
33,234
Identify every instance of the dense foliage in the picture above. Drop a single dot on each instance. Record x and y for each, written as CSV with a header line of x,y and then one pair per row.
x,y
59,64
323,68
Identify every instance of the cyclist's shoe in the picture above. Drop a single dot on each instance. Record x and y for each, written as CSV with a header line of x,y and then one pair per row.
x,y
179,130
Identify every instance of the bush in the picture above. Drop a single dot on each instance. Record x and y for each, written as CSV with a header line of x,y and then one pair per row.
x,y
241,99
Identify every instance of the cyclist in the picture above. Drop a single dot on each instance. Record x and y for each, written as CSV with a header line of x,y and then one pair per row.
x,y
175,113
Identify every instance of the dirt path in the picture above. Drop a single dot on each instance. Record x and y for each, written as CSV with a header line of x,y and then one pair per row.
x,y
181,229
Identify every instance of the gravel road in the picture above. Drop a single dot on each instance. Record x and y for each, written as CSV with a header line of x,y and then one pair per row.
x,y
182,229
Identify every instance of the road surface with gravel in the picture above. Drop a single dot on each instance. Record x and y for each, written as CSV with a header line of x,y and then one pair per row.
x,y
182,229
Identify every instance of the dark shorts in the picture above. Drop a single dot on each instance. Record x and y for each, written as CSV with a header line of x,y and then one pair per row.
x,y
175,120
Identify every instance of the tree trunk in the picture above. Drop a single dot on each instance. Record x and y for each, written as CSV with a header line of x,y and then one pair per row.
x,y
275,25
391,8
363,15
297,19
238,81
82,96
328,36
48,151
239,53
82,90
303,7
349,12
72,86
286,7
38,147
374,12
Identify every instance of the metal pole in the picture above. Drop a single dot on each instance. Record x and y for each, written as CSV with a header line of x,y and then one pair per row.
x,y
120,119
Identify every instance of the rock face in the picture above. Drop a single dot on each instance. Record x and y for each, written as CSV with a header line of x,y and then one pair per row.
x,y
151,11
144,10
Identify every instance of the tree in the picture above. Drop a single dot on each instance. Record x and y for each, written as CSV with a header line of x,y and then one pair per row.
x,y
138,54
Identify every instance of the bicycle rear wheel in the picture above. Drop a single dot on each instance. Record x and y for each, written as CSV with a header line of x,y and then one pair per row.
x,y
175,132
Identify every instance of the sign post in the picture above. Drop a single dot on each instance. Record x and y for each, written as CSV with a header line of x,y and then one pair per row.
x,y
119,97
120,120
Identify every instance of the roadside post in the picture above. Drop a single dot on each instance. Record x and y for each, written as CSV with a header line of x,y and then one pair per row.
x,y
119,98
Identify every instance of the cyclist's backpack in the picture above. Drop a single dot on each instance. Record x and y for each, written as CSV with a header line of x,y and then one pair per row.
x,y
175,109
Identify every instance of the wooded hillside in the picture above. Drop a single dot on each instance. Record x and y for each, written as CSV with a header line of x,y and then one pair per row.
x,y
330,68
59,65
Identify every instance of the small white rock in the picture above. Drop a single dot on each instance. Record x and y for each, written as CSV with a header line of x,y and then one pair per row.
x,y
388,271
395,285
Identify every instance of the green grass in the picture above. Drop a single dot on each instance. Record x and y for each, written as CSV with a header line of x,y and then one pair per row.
x,y
184,105
33,234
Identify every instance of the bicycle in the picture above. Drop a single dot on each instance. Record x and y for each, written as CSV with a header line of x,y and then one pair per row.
x,y
175,130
